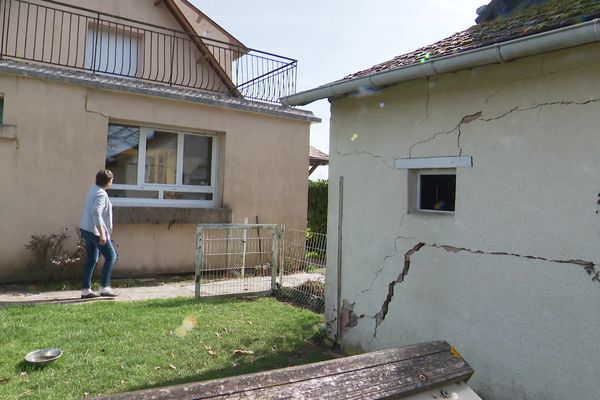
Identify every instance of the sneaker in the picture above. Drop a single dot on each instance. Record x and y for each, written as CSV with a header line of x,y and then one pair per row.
x,y
107,292
88,295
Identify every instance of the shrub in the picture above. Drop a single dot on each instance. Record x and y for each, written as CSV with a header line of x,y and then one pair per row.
x,y
317,206
49,254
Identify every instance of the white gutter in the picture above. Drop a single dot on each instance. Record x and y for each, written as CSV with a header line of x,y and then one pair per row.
x,y
570,36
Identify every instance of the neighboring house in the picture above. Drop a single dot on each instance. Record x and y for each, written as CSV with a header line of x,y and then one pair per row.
x,y
316,159
469,177
186,116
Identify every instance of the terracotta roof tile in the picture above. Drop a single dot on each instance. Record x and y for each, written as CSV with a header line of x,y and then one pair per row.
x,y
552,15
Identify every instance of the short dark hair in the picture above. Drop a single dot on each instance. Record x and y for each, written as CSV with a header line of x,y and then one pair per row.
x,y
103,177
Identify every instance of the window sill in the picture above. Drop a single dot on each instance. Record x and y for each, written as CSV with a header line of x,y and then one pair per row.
x,y
433,212
8,132
165,215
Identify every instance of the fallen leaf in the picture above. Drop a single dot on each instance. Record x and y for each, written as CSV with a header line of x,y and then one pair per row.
x,y
156,368
172,366
243,352
23,373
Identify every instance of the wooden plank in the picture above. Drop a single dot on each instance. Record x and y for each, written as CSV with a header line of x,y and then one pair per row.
x,y
392,373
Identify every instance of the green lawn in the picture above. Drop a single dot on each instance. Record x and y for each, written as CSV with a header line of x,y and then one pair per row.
x,y
112,347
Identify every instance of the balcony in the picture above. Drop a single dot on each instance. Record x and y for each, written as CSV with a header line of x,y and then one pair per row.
x,y
57,34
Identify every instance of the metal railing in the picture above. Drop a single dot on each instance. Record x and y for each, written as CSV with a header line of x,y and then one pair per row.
x,y
54,33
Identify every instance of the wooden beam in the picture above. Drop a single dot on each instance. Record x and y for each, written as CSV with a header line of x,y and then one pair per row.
x,y
212,62
392,373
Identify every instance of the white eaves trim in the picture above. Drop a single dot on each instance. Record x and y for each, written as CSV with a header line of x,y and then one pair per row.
x,y
433,162
557,39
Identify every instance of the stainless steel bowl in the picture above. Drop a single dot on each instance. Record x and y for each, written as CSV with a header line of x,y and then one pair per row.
x,y
43,356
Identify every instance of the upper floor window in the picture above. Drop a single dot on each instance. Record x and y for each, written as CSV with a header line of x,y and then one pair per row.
x,y
165,168
112,50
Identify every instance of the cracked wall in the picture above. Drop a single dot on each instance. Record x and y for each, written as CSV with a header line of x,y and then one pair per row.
x,y
515,270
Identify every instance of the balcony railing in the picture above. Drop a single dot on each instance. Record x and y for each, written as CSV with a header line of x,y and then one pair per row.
x,y
53,33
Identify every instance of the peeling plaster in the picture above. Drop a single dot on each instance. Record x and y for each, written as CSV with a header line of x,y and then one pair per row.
x,y
347,317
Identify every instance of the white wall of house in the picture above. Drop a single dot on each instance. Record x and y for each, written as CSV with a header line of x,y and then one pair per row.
x,y
503,277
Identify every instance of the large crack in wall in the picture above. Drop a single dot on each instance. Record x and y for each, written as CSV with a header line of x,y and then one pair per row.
x,y
350,319
457,129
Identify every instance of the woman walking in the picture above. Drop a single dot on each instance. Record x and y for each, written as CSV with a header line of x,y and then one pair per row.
x,y
96,228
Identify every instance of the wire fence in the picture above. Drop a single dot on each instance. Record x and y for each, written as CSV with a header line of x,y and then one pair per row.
x,y
302,278
243,259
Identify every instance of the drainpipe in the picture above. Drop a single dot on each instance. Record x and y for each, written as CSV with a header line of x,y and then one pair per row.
x,y
570,36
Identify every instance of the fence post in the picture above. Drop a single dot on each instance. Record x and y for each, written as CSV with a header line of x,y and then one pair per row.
x,y
282,255
244,248
274,264
199,233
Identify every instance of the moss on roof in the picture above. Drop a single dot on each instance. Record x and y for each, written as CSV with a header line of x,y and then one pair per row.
x,y
551,15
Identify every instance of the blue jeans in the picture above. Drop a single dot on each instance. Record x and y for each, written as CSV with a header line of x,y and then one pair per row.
x,y
93,250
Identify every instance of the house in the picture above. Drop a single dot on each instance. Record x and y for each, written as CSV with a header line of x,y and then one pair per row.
x,y
462,206
186,116
316,158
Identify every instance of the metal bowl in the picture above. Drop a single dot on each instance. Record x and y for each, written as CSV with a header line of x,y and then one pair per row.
x,y
43,356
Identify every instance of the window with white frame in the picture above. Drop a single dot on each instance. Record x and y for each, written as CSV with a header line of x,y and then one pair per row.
x,y
162,168
432,182
111,50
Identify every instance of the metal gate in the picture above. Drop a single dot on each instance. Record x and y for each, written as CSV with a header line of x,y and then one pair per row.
x,y
236,259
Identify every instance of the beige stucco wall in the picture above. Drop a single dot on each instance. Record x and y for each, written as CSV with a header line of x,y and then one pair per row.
x,y
502,278
61,142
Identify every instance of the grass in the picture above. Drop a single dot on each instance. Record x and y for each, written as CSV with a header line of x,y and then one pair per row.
x,y
112,347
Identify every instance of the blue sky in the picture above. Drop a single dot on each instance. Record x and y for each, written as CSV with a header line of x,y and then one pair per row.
x,y
332,38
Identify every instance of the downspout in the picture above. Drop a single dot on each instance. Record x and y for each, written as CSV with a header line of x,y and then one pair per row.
x,y
570,36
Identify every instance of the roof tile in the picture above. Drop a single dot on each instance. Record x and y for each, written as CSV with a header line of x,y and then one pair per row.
x,y
552,15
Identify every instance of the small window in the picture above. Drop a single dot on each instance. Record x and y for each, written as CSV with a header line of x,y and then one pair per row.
x,y
436,191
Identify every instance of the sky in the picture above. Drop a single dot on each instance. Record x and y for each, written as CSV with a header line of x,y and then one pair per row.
x,y
333,38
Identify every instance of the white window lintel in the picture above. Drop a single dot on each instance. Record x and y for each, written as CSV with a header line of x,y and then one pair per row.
x,y
434,162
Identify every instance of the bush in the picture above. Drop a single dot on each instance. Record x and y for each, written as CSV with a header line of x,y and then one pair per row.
x,y
317,206
49,254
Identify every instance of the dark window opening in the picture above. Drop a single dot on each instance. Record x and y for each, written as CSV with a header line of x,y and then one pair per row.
x,y
437,192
